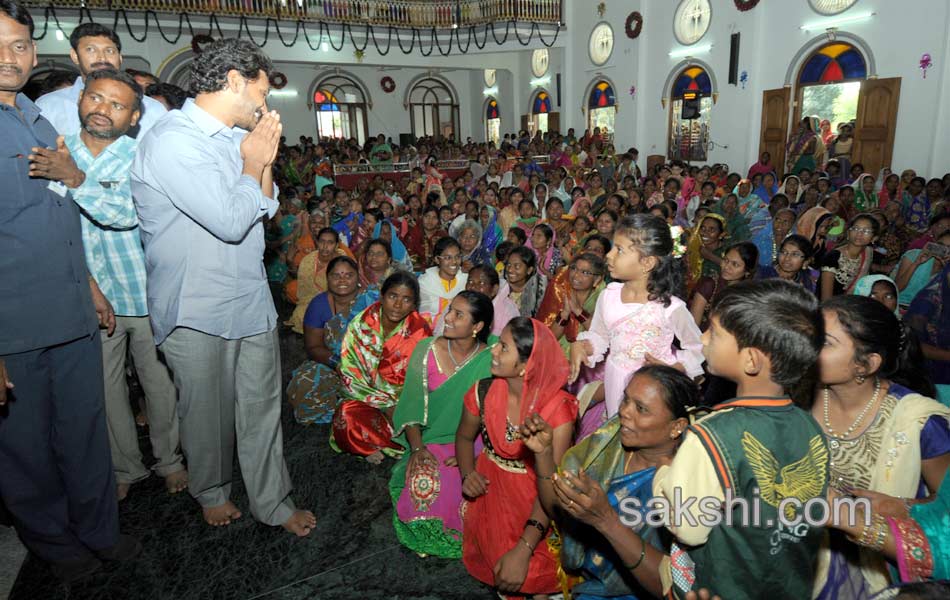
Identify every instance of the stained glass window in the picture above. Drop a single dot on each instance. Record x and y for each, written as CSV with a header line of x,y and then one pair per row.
x,y
689,130
833,63
601,96
542,104
693,80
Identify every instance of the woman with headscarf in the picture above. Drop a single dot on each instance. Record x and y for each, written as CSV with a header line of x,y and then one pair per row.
x,y
752,208
826,133
881,288
890,190
814,225
705,248
769,239
386,231
737,227
793,189
929,317
802,146
767,188
543,242
563,191
492,234
865,200
504,542
469,236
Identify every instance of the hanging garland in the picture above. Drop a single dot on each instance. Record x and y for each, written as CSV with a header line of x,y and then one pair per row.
x,y
199,42
634,25
388,85
445,47
745,5
278,80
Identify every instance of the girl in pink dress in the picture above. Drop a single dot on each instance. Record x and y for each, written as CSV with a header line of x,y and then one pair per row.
x,y
637,317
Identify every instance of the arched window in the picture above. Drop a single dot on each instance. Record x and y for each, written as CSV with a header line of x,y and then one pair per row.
x,y
433,110
492,121
691,103
540,109
340,108
829,83
602,108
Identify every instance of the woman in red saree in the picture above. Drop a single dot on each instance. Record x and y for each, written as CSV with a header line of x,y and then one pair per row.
x,y
373,364
505,529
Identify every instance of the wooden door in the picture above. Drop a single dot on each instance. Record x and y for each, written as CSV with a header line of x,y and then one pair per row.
x,y
554,122
774,132
524,122
876,123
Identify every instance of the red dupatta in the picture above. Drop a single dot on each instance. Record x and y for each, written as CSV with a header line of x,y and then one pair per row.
x,y
545,377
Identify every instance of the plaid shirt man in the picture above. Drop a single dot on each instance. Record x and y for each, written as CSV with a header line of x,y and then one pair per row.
x,y
110,226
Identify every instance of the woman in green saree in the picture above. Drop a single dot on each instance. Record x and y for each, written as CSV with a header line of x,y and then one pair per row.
x,y
425,486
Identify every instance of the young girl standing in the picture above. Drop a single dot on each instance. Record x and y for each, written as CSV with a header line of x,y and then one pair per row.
x,y
637,317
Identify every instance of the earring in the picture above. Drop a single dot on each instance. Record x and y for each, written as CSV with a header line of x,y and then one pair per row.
x,y
860,378
474,334
521,374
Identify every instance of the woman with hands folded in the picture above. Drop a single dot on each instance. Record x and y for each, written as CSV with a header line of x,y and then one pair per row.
x,y
587,494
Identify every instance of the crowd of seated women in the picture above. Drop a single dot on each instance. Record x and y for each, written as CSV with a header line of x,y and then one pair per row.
x,y
525,347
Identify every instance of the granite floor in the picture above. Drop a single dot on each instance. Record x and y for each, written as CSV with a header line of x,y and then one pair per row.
x,y
353,553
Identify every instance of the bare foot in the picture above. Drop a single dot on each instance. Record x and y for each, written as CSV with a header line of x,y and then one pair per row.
x,y
222,514
375,458
176,482
121,491
301,523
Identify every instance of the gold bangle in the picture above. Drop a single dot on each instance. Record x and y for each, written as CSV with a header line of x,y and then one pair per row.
x,y
525,542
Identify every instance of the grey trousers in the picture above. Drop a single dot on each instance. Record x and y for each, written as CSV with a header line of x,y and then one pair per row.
x,y
231,389
160,398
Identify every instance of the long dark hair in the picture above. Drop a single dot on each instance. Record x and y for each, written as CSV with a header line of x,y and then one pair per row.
x,y
652,236
875,330
481,311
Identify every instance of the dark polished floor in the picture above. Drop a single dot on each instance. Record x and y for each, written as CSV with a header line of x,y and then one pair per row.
x,y
353,553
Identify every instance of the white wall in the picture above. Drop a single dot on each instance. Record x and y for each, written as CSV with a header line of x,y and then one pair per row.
x,y
301,65
622,68
770,38
387,116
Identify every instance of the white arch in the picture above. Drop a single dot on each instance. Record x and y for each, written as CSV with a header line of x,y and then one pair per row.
x,y
680,67
322,77
805,52
534,95
435,76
